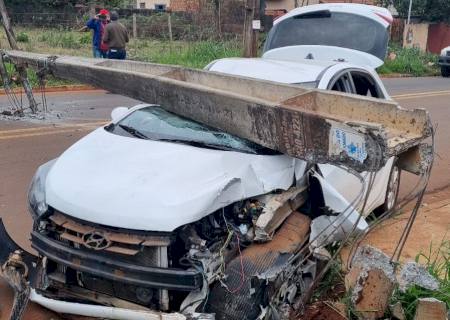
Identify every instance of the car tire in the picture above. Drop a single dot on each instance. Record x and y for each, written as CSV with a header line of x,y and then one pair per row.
x,y
392,191
445,71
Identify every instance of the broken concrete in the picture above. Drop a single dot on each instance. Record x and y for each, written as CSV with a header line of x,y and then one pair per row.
x,y
430,309
412,274
368,257
397,311
371,294
371,281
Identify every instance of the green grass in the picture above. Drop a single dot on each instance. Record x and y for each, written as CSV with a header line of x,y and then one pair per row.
x,y
194,55
34,80
437,263
410,61
22,37
62,42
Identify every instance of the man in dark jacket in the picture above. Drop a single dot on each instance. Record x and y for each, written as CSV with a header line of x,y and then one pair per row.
x,y
116,37
97,24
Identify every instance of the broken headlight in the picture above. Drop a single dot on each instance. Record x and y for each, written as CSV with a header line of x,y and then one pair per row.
x,y
36,192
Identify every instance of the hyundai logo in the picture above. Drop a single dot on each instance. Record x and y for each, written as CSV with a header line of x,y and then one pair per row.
x,y
96,240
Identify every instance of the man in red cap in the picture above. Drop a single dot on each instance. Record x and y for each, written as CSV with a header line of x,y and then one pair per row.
x,y
97,24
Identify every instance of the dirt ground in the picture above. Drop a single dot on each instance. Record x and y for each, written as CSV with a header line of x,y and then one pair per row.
x,y
430,229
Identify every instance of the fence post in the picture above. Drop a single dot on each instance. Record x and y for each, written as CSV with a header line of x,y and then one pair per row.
x,y
169,22
134,26
249,36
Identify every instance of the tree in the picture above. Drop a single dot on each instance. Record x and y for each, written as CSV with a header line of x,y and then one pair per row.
x,y
427,10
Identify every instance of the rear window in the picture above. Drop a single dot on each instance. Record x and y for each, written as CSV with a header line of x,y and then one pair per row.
x,y
331,29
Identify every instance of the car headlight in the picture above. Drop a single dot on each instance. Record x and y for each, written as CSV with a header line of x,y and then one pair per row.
x,y
36,192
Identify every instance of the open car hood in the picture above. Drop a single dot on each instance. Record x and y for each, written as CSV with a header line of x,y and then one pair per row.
x,y
324,53
150,185
330,29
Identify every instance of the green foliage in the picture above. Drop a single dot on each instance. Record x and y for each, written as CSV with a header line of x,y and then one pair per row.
x,y
410,61
67,40
438,265
85,39
428,10
22,37
195,54
332,281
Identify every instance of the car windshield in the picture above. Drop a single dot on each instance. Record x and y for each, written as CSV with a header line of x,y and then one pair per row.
x,y
327,28
155,123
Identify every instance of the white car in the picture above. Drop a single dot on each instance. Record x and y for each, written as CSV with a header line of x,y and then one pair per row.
x,y
155,216
322,46
444,62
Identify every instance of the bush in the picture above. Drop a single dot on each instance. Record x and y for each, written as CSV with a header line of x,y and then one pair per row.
x,y
67,40
85,39
410,61
22,37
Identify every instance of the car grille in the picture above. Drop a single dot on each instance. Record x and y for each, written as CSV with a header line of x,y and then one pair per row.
x,y
132,247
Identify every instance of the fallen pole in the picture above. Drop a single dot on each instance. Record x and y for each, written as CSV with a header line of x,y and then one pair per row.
x,y
314,125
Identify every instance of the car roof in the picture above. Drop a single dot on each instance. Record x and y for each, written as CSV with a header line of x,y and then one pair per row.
x,y
273,70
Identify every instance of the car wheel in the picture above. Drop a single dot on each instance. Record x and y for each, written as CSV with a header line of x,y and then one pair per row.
x,y
445,71
393,187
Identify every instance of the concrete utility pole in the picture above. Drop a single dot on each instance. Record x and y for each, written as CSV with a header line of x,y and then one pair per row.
x,y
20,68
317,126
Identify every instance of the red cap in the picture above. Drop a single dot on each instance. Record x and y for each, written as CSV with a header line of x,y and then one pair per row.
x,y
103,12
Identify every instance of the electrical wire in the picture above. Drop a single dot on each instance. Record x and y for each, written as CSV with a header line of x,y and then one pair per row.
x,y
241,261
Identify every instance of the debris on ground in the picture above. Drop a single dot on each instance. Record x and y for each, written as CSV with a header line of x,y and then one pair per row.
x,y
430,309
412,274
397,311
371,282
325,310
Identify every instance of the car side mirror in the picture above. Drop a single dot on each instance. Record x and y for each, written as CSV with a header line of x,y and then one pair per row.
x,y
118,113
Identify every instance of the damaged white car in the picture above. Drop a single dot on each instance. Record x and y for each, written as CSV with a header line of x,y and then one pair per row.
x,y
155,216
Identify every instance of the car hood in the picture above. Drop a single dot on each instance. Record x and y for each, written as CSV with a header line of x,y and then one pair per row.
x,y
324,53
278,70
150,185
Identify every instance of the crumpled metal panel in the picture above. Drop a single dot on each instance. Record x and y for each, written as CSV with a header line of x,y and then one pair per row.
x,y
239,302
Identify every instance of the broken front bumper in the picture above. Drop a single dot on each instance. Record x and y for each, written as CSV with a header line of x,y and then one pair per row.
x,y
110,269
32,277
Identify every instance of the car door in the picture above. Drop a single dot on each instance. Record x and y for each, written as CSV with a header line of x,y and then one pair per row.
x,y
360,82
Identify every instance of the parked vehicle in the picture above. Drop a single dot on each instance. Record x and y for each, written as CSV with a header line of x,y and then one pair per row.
x,y
444,62
322,46
162,217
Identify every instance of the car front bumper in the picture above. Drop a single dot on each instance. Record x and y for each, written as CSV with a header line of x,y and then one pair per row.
x,y
444,61
39,295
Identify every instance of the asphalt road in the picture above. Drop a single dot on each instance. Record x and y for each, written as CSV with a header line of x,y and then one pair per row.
x,y
25,144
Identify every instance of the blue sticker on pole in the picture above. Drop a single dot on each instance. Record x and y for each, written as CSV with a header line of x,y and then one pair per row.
x,y
351,142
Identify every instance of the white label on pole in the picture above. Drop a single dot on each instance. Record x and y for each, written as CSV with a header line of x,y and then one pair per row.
x,y
256,24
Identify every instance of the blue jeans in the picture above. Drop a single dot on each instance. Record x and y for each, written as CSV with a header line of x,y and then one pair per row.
x,y
99,53
118,54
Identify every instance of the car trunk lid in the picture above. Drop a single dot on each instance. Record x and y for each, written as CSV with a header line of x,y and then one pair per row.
x,y
358,34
